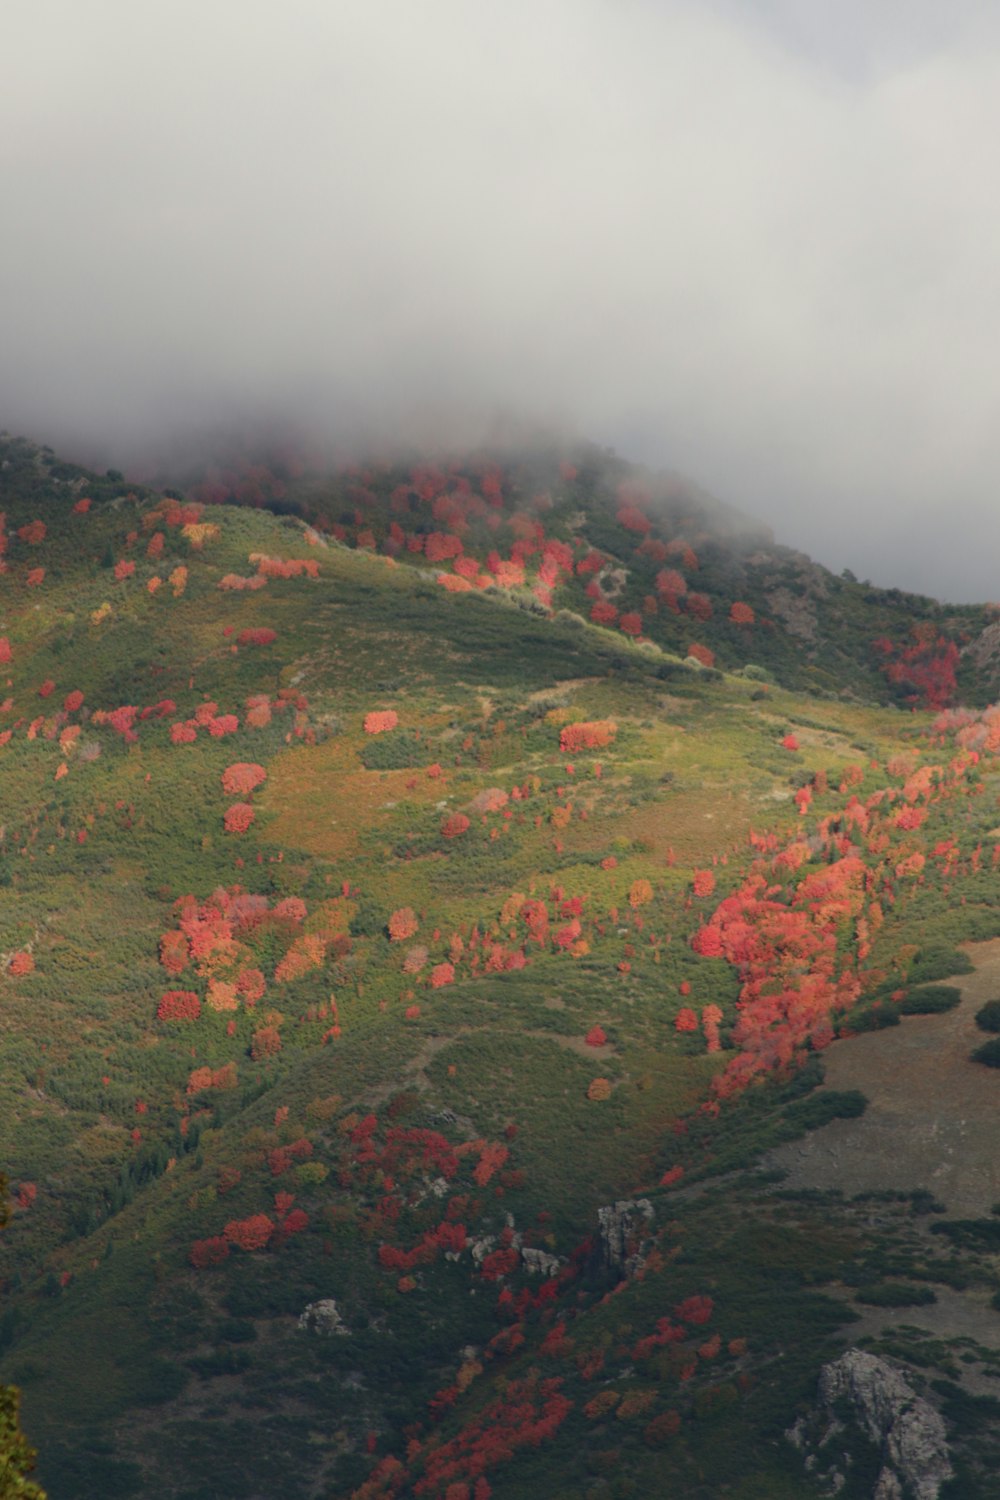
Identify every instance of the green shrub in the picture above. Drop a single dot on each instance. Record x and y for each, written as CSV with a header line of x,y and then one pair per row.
x,y
820,1108
939,961
922,1201
988,1018
237,1331
875,1018
988,1053
974,1234
930,1000
397,751
896,1294
224,1361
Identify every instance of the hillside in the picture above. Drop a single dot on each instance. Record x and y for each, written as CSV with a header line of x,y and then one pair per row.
x,y
432,889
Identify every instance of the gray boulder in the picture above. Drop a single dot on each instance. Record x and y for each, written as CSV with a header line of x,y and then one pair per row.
x,y
861,1390
323,1318
624,1236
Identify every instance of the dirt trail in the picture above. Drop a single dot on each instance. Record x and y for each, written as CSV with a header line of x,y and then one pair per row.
x,y
933,1117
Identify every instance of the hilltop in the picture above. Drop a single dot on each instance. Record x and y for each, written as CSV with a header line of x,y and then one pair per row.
x,y
427,890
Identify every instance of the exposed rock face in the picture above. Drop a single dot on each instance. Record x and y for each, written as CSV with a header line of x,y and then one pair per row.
x,y
481,1246
796,611
984,649
625,1240
322,1317
535,1262
541,1263
872,1394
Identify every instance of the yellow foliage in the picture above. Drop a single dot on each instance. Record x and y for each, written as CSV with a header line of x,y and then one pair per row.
x,y
200,532
324,1109
511,909
635,1404
467,1374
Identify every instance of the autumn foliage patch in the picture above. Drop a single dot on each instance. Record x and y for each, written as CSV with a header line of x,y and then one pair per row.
x,y
379,721
594,734
242,777
238,818
179,1005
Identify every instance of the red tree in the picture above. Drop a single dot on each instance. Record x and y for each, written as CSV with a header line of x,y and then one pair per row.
x,y
210,1252
250,1234
179,1005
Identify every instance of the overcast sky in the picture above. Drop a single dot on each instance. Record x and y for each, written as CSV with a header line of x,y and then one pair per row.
x,y
756,242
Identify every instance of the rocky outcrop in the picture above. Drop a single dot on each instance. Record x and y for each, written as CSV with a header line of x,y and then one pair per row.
x,y
984,649
541,1263
797,612
624,1238
868,1394
535,1262
322,1317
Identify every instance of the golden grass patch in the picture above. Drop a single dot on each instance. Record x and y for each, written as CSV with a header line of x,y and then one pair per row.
x,y
321,798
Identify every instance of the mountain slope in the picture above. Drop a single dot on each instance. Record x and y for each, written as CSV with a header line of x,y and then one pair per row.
x,y
649,555
364,936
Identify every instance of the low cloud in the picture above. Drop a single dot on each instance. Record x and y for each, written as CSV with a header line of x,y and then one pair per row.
x,y
761,254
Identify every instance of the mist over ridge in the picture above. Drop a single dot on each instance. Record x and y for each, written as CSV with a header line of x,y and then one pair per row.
x,y
724,241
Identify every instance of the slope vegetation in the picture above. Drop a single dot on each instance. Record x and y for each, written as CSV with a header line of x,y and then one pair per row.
x,y
403,964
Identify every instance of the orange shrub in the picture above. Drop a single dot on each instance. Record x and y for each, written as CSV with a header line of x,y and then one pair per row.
x,y
592,735
242,777
238,817
178,1005
221,995
379,721
266,1043
250,984
249,1234
403,924
174,952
